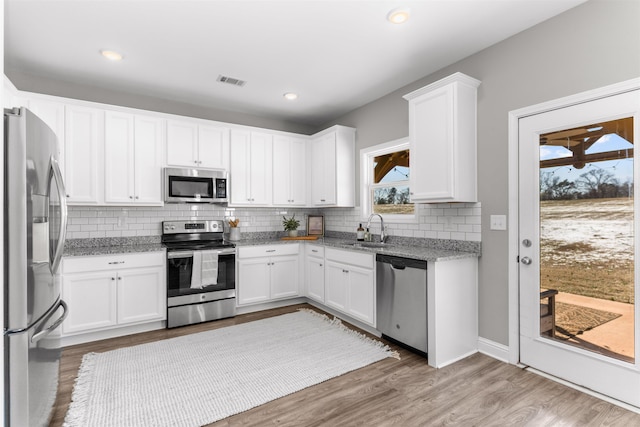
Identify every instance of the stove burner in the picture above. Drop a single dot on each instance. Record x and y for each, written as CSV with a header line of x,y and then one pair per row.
x,y
194,235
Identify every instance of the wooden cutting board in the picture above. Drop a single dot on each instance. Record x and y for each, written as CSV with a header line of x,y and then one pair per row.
x,y
300,238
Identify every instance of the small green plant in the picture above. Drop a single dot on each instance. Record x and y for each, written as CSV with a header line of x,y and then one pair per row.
x,y
291,223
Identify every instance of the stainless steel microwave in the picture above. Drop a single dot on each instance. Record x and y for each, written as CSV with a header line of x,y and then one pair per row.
x,y
195,185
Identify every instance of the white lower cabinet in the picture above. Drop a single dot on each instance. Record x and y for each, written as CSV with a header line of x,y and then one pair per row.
x,y
267,273
350,283
109,291
314,272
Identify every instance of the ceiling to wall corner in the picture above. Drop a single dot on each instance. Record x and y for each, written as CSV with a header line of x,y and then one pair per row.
x,y
335,55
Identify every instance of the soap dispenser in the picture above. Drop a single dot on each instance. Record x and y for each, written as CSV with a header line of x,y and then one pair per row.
x,y
360,233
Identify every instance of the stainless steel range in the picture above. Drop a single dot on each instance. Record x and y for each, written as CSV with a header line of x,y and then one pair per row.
x,y
201,271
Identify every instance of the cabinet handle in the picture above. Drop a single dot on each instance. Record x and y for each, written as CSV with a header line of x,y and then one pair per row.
x,y
68,195
322,200
320,265
345,271
271,250
113,278
116,262
131,197
119,278
137,197
314,250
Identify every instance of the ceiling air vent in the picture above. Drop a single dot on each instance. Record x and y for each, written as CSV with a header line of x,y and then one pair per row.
x,y
231,81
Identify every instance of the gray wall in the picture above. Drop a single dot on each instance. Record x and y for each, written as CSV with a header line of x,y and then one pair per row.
x,y
37,84
593,45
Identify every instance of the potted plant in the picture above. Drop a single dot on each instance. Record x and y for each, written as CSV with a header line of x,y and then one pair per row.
x,y
291,225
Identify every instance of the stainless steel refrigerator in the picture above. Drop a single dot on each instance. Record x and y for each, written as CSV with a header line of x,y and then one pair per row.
x,y
35,226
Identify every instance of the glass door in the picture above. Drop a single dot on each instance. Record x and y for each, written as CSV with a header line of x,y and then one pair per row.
x,y
578,244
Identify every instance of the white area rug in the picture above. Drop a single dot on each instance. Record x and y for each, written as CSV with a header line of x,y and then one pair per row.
x,y
201,378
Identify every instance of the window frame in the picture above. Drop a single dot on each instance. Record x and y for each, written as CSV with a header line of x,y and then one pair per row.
x,y
366,179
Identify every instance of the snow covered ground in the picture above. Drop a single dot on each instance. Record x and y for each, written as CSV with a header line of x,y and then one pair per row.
x,y
585,231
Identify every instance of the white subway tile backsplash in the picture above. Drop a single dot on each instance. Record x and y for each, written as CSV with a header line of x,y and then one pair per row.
x,y
459,221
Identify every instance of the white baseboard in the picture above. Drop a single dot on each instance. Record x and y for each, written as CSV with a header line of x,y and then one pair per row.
x,y
493,349
86,337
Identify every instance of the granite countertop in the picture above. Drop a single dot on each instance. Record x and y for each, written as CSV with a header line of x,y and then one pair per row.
x,y
108,250
429,252
407,251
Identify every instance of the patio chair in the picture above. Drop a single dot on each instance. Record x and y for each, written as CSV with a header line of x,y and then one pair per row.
x,y
548,312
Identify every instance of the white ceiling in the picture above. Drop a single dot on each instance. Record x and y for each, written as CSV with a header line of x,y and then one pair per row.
x,y
337,55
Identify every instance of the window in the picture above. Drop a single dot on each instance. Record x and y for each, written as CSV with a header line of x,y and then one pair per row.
x,y
385,180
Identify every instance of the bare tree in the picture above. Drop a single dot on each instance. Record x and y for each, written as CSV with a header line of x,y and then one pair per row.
x,y
598,183
551,188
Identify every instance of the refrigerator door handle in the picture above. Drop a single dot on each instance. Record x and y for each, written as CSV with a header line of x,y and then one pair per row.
x,y
62,195
55,324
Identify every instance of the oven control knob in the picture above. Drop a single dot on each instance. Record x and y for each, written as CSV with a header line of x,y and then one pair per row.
x,y
173,227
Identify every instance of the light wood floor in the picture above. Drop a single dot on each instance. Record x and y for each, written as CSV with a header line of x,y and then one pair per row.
x,y
477,391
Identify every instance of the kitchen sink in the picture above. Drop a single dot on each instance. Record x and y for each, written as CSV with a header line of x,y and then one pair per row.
x,y
369,245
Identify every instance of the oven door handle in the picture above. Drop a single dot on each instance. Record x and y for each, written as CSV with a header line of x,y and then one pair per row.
x,y
189,254
179,254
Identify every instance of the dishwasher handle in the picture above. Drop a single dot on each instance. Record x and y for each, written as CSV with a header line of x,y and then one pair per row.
x,y
400,263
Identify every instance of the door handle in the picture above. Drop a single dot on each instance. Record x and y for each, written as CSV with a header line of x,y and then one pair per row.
x,y
57,323
526,260
57,255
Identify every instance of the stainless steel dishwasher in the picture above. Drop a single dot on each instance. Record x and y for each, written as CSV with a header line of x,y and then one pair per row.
x,y
401,285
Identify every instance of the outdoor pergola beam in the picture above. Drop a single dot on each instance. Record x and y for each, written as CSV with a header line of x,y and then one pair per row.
x,y
588,158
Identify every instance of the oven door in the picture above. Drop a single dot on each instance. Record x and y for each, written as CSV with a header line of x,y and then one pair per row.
x,y
180,273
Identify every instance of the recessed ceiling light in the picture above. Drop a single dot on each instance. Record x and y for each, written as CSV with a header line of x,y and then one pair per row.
x,y
290,96
111,55
398,16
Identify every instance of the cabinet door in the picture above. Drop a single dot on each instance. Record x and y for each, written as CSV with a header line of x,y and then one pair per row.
x,y
284,277
431,118
281,170
92,301
83,143
261,155
298,172
182,144
119,158
149,158
361,294
253,280
336,282
315,278
323,169
213,147
52,113
141,295
240,169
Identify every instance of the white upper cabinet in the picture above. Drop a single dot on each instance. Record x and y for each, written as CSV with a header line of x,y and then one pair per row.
x,y
213,147
133,159
198,146
52,113
83,148
333,167
251,168
442,132
289,171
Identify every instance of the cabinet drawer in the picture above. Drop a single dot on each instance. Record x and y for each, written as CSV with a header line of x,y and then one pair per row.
x,y
314,250
364,260
110,262
268,250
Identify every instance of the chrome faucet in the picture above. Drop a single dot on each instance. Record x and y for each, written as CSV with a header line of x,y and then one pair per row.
x,y
383,236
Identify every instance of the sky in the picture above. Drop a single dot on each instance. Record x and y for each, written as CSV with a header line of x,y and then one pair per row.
x,y
621,169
